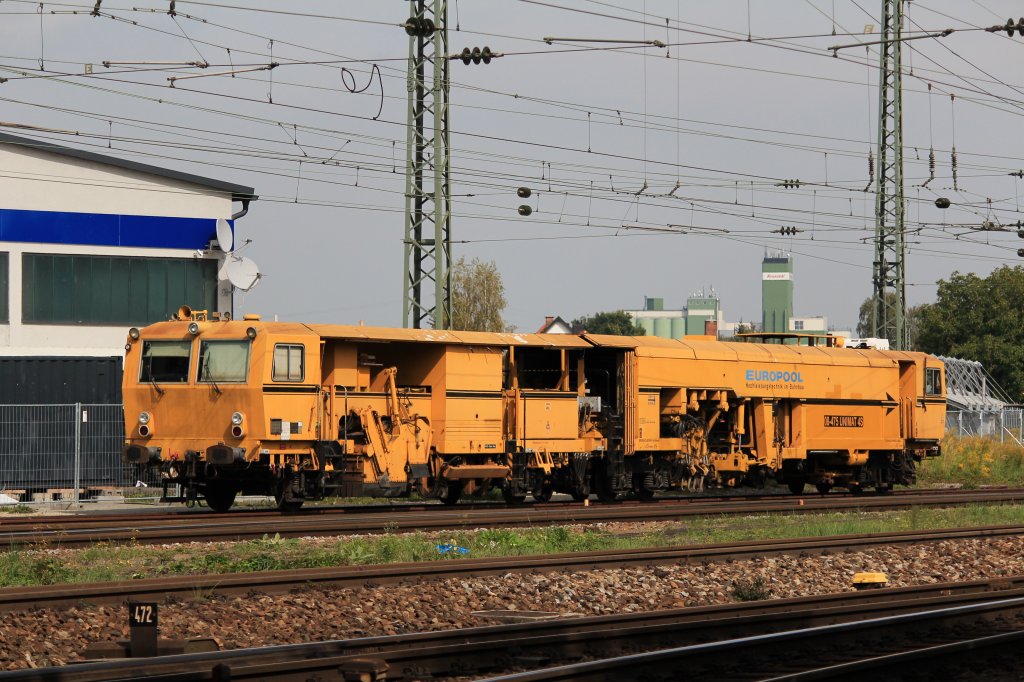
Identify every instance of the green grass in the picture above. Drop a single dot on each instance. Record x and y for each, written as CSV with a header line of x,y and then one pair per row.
x,y
973,462
131,561
16,509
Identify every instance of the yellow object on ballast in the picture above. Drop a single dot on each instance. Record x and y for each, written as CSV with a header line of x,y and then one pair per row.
x,y
869,580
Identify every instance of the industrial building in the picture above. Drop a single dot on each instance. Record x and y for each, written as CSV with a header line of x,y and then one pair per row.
x,y
703,311
91,245
702,315
776,292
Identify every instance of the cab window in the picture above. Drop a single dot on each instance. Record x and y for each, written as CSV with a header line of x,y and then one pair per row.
x,y
289,362
165,362
932,382
224,361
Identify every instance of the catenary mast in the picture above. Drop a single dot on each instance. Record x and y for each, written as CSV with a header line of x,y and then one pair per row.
x,y
427,277
889,306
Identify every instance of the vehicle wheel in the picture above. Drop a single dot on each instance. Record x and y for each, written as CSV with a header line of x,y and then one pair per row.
x,y
448,492
856,489
511,498
543,495
796,486
220,496
288,504
823,487
645,494
603,490
884,489
581,492
600,483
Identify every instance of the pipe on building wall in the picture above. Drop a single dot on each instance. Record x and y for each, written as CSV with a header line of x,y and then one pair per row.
x,y
245,209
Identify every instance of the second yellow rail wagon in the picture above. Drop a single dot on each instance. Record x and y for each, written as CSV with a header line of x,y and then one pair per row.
x,y
303,411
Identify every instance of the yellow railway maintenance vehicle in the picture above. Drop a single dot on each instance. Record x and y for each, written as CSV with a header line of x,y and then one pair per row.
x,y
303,411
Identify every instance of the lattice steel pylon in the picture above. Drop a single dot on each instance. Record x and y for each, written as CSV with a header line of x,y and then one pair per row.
x,y
428,255
889,306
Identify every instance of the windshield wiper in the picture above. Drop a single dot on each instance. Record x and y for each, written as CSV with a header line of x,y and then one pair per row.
x,y
209,375
152,381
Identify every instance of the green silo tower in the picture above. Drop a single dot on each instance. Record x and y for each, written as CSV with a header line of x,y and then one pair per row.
x,y
776,292
700,309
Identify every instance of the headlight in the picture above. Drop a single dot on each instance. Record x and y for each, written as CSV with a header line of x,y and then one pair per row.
x,y
193,328
251,332
134,333
237,418
144,417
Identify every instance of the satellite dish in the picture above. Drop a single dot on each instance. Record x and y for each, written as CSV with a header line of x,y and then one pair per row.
x,y
242,272
225,236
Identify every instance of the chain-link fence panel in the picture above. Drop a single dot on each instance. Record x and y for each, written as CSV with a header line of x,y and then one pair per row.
x,y
64,453
1006,425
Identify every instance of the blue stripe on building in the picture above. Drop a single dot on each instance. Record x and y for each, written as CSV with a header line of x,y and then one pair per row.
x,y
102,229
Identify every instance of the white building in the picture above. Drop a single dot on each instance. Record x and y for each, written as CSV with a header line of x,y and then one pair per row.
x,y
809,325
91,245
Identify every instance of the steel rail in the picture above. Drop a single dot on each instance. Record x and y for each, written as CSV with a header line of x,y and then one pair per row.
x,y
741,657
20,598
922,659
136,514
483,649
230,526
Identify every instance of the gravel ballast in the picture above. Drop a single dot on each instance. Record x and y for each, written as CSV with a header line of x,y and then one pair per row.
x,y
55,637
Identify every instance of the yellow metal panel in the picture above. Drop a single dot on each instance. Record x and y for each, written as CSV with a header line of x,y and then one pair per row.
x,y
548,415
471,424
610,341
473,369
384,334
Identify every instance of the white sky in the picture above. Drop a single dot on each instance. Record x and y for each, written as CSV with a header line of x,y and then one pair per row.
x,y
728,119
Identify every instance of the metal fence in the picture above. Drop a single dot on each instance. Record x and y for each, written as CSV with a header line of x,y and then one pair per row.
x,y
1006,425
62,452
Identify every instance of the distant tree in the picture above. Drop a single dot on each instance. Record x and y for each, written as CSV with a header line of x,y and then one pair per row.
x,y
744,328
864,323
980,319
478,296
617,322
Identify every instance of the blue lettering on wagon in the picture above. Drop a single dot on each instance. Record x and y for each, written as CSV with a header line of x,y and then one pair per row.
x,y
774,376
774,379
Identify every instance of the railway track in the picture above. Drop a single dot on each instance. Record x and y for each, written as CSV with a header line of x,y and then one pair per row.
x,y
72,531
184,587
920,643
704,642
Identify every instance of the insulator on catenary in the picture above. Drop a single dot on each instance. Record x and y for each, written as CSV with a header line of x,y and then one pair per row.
x,y
420,26
952,163
931,167
476,55
871,169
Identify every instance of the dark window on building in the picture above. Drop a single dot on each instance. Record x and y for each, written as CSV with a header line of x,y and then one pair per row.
x,y
288,362
798,325
932,382
165,362
114,290
224,361
4,286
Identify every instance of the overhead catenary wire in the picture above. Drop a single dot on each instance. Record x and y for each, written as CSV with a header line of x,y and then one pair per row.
x,y
670,171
